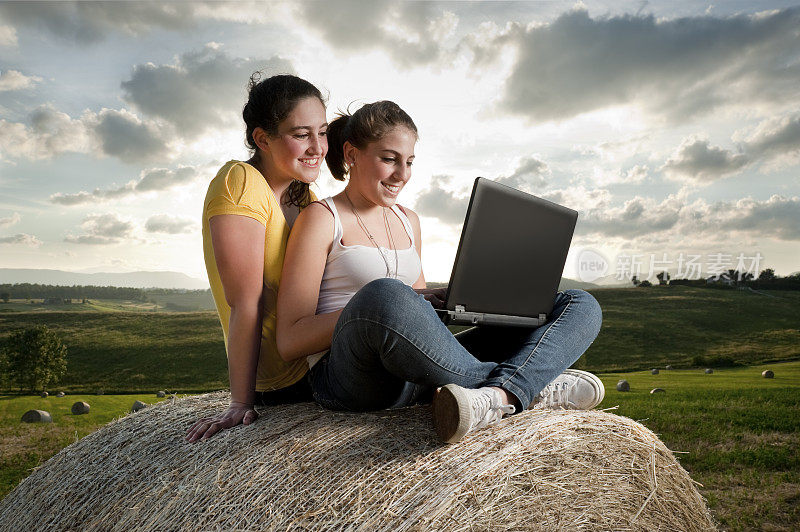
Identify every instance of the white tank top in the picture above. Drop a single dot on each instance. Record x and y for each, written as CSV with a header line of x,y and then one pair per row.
x,y
348,268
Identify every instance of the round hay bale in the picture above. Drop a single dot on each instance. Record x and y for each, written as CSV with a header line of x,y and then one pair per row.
x,y
623,386
768,374
161,393
44,395
654,371
668,367
658,390
709,371
60,394
80,407
302,467
37,416
138,405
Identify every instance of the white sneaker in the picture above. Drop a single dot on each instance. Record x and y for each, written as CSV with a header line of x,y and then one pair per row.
x,y
572,390
458,410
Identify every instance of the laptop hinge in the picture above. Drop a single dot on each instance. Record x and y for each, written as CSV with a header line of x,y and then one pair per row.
x,y
543,317
460,308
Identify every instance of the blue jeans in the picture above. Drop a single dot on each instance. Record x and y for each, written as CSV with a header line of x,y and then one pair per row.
x,y
390,349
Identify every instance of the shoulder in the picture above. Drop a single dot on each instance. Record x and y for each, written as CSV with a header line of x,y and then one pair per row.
x,y
317,209
412,216
239,189
237,176
315,216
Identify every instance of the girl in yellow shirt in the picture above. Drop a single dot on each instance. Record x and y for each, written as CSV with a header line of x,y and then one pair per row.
x,y
247,214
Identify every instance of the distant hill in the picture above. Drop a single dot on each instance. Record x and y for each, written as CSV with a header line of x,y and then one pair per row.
x,y
567,284
132,279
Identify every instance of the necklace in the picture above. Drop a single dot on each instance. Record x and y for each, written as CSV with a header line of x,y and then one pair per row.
x,y
372,238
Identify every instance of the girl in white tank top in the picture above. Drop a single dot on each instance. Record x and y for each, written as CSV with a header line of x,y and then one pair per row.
x,y
359,235
348,268
388,347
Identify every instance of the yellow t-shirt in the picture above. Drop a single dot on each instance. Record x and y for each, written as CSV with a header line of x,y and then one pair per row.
x,y
240,189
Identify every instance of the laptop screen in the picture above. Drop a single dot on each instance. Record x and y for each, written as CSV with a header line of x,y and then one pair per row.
x,y
512,252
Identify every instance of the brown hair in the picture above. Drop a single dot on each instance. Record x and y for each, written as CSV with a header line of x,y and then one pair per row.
x,y
269,102
368,124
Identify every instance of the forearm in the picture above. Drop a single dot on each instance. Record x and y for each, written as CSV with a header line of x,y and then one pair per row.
x,y
244,346
307,335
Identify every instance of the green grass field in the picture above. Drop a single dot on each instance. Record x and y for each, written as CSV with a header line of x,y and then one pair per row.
x,y
736,432
138,352
26,445
739,431
643,328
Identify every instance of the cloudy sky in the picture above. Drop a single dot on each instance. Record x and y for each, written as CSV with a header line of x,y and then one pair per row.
x,y
672,127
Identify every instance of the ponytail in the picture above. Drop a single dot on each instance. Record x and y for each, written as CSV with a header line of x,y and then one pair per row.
x,y
336,139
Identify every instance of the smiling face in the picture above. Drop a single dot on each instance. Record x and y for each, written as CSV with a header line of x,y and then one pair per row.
x,y
380,171
299,148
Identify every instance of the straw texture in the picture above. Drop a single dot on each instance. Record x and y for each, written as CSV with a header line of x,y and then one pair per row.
x,y
300,467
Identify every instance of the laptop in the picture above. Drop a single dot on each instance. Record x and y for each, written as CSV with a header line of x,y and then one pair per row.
x,y
510,258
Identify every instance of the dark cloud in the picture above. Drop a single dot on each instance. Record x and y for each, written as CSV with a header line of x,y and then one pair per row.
x,y
117,133
436,202
50,133
411,32
777,217
154,179
123,135
698,160
202,90
529,175
21,238
90,22
675,68
635,218
775,137
449,207
163,223
102,229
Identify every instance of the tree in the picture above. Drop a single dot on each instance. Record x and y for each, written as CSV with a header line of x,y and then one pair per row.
x,y
36,357
5,296
645,284
663,278
635,280
767,275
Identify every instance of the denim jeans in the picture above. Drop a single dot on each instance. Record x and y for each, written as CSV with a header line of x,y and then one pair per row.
x,y
390,349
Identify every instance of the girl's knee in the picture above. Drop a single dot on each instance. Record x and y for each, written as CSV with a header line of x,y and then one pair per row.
x,y
586,304
383,296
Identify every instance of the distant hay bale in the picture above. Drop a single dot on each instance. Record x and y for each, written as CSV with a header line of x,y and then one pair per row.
x,y
768,374
60,394
623,386
44,395
654,371
80,407
709,371
658,390
161,393
37,416
301,467
138,405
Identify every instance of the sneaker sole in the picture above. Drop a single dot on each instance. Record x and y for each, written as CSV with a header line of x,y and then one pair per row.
x,y
597,384
450,421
